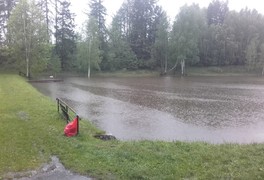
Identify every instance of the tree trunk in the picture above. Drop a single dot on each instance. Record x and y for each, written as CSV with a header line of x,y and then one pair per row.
x,y
183,67
26,46
89,61
47,19
174,67
166,65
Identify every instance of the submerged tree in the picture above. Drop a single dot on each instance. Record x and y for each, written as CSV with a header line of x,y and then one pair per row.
x,y
88,48
185,36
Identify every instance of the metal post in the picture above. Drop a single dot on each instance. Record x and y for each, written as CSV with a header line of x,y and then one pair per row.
x,y
67,114
77,124
58,104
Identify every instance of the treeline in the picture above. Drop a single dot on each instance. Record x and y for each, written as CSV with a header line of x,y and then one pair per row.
x,y
39,35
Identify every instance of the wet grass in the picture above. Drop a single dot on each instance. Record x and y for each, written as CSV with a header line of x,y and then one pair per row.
x,y
127,73
222,71
31,132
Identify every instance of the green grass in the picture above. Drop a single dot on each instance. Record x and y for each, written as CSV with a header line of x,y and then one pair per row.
x,y
127,73
221,71
31,132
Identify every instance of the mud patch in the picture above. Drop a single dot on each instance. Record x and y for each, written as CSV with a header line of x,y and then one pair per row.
x,y
52,171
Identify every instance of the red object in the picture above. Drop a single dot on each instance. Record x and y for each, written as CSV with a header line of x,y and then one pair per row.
x,y
71,129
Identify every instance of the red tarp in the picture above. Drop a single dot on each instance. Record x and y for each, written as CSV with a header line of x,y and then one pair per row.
x,y
71,128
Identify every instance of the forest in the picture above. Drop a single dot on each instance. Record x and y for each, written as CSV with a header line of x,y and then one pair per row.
x,y
41,36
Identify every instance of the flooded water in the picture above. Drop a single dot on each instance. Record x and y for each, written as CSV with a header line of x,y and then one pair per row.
x,y
211,109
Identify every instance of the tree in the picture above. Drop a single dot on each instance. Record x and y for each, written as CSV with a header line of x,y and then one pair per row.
x,y
28,37
6,6
261,57
98,13
185,36
65,36
93,37
142,32
88,48
44,5
160,48
138,25
251,53
121,55
217,11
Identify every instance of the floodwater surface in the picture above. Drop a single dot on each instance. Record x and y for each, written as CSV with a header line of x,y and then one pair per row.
x,y
210,109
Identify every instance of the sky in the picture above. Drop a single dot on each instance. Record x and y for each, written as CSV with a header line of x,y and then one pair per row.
x,y
172,7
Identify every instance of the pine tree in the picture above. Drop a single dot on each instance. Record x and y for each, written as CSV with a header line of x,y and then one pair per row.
x,y
160,47
65,36
45,6
121,55
6,6
98,13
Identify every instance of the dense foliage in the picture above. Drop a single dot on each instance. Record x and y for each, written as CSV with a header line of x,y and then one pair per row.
x,y
141,37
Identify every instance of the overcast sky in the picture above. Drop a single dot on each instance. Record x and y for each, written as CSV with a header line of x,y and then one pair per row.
x,y
170,6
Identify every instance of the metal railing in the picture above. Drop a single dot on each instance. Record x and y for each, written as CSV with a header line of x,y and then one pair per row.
x,y
65,110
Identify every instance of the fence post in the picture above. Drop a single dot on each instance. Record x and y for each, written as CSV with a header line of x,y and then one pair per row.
x,y
77,124
65,111
58,104
67,114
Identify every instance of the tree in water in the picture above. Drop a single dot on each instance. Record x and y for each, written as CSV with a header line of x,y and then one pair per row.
x,y
88,51
185,36
98,13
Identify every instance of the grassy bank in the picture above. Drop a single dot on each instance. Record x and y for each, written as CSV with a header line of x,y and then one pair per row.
x,y
222,71
127,73
191,71
32,131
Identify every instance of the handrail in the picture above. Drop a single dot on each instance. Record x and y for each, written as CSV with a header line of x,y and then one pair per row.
x,y
64,108
63,102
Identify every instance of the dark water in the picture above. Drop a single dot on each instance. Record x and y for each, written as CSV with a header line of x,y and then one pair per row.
x,y
211,109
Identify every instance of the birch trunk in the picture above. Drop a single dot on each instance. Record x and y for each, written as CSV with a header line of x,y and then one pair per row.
x,y
26,47
89,61
182,67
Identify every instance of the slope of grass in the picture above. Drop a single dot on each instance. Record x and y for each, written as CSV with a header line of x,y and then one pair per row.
x,y
31,132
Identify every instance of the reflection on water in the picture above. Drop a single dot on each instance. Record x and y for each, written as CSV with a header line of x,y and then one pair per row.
x,y
211,109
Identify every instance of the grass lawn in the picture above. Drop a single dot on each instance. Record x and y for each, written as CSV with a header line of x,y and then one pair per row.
x,y
31,132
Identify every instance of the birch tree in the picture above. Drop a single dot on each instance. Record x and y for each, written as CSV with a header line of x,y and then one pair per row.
x,y
185,36
28,37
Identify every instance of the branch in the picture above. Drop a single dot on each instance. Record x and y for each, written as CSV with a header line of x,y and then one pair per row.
x,y
176,63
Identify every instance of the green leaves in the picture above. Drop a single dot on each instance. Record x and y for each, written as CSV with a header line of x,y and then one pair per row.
x,y
186,34
28,38
65,36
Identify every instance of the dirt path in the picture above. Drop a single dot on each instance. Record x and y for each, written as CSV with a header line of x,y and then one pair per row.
x,y
52,171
